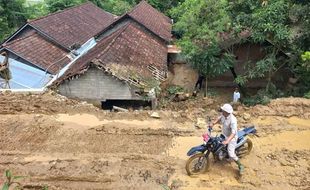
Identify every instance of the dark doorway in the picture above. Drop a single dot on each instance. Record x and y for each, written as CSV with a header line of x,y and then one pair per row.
x,y
128,104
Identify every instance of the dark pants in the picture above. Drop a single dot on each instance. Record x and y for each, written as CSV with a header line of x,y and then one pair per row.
x,y
199,82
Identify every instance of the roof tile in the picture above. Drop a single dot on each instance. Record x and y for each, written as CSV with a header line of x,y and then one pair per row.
x,y
40,52
152,19
74,25
129,49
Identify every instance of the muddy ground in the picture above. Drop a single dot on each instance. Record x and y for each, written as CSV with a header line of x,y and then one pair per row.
x,y
65,144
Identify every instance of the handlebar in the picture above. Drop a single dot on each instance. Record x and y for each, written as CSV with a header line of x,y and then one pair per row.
x,y
209,128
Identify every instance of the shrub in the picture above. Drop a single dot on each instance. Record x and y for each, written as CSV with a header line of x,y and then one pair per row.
x,y
260,98
174,90
307,95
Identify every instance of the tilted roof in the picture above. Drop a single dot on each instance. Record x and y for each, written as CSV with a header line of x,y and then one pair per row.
x,y
39,51
152,19
74,25
129,53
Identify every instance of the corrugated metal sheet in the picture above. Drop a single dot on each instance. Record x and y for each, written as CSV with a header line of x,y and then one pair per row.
x,y
25,76
81,51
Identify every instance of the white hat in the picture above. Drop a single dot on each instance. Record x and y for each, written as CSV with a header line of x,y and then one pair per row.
x,y
227,108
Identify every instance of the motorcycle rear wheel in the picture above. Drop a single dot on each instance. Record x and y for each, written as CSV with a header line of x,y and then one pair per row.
x,y
197,164
246,148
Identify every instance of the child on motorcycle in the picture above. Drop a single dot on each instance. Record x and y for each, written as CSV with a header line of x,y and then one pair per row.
x,y
229,129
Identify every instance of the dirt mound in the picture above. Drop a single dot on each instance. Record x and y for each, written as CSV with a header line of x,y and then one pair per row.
x,y
49,102
190,104
285,107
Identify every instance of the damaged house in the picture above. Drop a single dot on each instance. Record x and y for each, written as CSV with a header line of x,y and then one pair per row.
x,y
100,59
130,57
41,49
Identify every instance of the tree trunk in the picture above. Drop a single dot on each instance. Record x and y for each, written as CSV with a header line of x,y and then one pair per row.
x,y
206,86
242,90
269,80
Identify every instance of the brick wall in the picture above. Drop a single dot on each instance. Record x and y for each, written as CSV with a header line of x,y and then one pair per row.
x,y
96,85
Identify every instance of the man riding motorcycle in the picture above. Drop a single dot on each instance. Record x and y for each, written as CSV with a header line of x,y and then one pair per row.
x,y
229,129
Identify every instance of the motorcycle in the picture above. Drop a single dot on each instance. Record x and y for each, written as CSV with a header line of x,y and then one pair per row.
x,y
199,161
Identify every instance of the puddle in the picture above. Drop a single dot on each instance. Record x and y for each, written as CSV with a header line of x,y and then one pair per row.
x,y
79,121
39,158
137,123
87,121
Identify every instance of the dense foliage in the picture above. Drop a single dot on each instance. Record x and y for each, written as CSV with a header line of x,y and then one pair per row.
x,y
199,22
281,25
12,15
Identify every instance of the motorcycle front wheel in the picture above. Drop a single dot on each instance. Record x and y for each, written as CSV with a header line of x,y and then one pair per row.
x,y
197,164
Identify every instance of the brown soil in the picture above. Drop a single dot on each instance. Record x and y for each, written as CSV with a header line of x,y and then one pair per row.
x,y
47,103
66,144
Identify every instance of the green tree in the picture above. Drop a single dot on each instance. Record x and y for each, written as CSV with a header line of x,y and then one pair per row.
x,y
165,5
200,22
36,10
117,7
268,23
282,23
5,31
12,16
299,15
56,5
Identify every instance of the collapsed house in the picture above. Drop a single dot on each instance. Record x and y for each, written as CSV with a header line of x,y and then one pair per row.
x,y
86,53
43,47
130,57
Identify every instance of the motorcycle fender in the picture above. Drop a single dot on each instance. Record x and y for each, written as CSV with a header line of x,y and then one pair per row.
x,y
195,149
242,141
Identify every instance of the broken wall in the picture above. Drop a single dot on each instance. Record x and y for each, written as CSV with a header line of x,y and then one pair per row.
x,y
95,85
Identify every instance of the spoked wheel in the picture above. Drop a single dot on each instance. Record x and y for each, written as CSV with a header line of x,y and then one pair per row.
x,y
245,149
197,164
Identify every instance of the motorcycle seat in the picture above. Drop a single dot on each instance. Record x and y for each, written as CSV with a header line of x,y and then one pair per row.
x,y
246,131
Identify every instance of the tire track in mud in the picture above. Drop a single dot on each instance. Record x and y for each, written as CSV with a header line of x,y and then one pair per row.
x,y
109,156
93,171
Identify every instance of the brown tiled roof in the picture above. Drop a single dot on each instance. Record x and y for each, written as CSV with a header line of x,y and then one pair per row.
x,y
39,51
152,19
136,47
74,25
128,51
84,61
